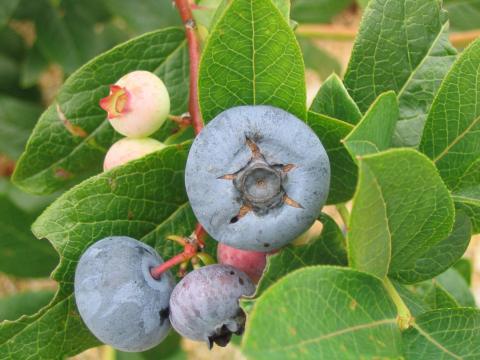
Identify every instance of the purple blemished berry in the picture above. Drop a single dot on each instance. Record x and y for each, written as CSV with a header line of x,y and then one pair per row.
x,y
128,149
117,297
204,306
138,104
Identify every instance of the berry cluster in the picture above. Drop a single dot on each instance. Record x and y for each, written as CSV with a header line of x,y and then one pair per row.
x,y
256,178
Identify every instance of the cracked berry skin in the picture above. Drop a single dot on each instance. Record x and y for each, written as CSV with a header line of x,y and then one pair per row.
x,y
204,304
118,299
257,177
251,263
128,149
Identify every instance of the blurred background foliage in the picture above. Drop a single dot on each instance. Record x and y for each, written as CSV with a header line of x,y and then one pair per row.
x,y
42,42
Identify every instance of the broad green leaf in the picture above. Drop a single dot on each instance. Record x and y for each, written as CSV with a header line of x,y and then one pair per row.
x,y
401,46
464,14
251,58
169,349
442,255
323,313
54,332
334,100
7,7
452,130
21,254
25,303
319,60
401,212
131,200
17,118
374,132
444,334
435,295
331,131
465,268
145,15
328,248
317,11
72,135
414,302
456,286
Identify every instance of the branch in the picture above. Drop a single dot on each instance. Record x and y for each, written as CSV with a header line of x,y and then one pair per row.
x,y
342,33
185,12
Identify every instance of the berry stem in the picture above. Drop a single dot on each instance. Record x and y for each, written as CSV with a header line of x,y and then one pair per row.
x,y
190,250
185,12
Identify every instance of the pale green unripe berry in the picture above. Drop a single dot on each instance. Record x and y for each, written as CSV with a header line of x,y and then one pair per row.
x,y
128,149
138,104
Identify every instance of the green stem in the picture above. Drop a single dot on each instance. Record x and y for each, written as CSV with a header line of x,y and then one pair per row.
x,y
405,318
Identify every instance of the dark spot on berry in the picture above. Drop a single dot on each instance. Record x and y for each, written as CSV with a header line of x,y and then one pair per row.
x,y
240,280
164,314
234,219
266,245
221,337
232,272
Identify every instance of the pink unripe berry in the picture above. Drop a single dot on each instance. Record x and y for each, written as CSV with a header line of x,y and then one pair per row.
x,y
251,263
128,149
138,104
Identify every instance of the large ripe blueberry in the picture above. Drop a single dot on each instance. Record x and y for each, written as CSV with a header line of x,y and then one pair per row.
x,y
118,299
257,177
204,305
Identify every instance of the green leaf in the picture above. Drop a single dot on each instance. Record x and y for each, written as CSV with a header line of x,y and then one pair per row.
x,y
169,349
464,14
334,100
331,131
401,212
73,135
32,67
25,303
54,332
21,254
414,302
17,118
465,268
323,313
401,46
7,7
451,133
374,132
251,58
444,334
317,11
456,286
131,200
319,60
328,248
435,295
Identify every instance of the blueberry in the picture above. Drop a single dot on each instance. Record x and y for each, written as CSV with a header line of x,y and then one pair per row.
x,y
251,263
204,305
257,177
128,149
118,299
138,104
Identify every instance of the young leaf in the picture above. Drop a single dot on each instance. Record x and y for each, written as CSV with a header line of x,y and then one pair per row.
x,y
343,169
20,253
334,100
456,286
401,211
451,133
131,200
17,118
401,46
444,334
73,134
251,57
374,132
327,249
323,313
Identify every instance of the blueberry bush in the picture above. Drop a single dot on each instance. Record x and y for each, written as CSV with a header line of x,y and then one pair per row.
x,y
401,128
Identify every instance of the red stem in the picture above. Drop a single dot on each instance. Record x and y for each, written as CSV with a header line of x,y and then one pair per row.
x,y
185,12
189,252
7,166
